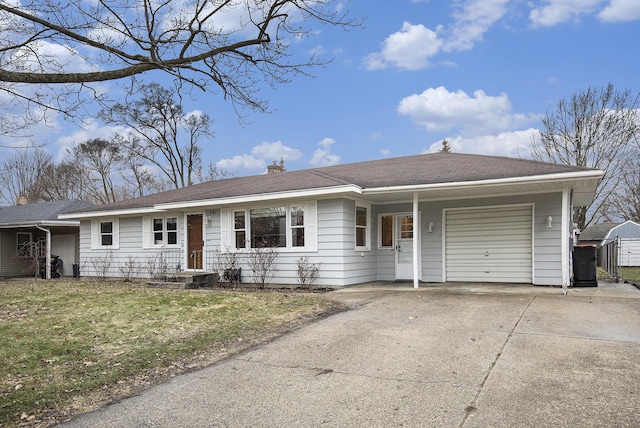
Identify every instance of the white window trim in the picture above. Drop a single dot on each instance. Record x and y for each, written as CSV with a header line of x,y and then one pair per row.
x,y
147,232
393,230
367,206
227,229
96,236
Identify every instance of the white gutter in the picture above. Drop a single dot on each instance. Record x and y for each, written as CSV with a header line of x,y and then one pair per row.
x,y
534,179
109,213
52,223
350,188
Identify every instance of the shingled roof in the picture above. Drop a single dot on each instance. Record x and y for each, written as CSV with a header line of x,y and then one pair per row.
x,y
44,212
434,168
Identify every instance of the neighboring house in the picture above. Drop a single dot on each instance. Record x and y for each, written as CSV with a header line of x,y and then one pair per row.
x,y
28,231
427,218
604,233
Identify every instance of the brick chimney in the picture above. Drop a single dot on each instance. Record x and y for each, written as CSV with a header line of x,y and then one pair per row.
x,y
22,200
275,168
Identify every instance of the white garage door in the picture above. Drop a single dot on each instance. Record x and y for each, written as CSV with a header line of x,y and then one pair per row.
x,y
489,244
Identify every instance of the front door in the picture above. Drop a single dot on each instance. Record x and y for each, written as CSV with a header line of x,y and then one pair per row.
x,y
404,246
195,241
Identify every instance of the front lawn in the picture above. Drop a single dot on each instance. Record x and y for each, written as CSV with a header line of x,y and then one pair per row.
x,y
69,346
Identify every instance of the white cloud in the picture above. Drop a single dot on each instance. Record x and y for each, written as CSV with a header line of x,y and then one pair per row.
x,y
90,129
414,45
620,10
260,155
472,20
323,156
274,151
437,109
515,144
242,162
558,11
409,49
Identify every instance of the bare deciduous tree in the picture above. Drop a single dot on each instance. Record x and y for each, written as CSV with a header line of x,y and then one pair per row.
x,y
218,46
101,162
21,175
162,133
625,203
595,128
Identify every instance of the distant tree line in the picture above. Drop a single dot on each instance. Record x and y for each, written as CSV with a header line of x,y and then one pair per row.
x,y
158,150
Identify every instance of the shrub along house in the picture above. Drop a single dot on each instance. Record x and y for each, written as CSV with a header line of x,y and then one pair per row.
x,y
438,217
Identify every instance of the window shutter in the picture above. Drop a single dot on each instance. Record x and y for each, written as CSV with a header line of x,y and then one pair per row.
x,y
225,229
95,236
311,226
116,234
146,232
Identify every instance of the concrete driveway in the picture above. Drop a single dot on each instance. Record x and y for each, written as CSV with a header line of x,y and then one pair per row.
x,y
450,356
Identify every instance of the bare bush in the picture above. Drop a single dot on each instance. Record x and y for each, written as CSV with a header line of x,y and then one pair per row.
x,y
261,261
308,273
101,265
130,269
227,265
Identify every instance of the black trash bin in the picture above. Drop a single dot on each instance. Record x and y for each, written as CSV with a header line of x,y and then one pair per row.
x,y
584,266
76,271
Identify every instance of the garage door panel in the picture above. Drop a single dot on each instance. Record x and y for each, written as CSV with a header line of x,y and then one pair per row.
x,y
489,244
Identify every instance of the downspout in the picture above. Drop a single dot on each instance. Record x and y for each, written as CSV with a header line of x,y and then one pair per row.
x,y
564,226
47,262
416,241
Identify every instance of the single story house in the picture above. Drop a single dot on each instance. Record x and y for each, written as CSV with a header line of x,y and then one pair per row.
x,y
627,234
32,231
438,217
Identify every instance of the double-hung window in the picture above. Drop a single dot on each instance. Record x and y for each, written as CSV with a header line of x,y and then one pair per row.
x,y
362,232
105,234
297,226
24,244
240,228
165,231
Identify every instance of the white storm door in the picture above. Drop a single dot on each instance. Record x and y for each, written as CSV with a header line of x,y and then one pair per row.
x,y
404,246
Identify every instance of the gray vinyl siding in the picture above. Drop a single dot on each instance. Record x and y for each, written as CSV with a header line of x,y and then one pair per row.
x,y
340,263
9,265
130,250
547,257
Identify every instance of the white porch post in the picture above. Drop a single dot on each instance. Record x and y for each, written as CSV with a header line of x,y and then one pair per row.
x,y
47,262
564,230
416,242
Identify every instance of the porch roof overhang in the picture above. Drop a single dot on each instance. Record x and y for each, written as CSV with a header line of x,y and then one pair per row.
x,y
582,183
44,223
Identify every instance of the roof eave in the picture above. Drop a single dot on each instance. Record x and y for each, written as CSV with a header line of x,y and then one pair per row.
x,y
545,178
323,191
109,213
44,223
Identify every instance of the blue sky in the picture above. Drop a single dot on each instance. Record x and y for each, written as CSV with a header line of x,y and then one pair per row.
x,y
479,73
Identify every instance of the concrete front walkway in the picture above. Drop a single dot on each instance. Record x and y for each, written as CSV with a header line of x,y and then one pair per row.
x,y
451,356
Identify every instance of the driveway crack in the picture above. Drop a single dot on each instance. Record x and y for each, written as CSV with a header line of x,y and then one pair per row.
x,y
473,406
